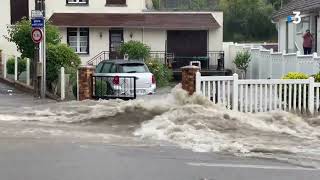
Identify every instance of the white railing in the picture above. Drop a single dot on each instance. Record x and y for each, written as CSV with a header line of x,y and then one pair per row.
x,y
269,64
263,95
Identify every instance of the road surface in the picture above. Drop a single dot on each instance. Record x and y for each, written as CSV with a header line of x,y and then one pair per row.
x,y
28,156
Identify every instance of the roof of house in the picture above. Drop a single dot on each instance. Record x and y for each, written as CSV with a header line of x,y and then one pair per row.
x,y
297,5
134,20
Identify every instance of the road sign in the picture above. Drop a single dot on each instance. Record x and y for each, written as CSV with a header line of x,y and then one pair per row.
x,y
36,14
37,35
37,23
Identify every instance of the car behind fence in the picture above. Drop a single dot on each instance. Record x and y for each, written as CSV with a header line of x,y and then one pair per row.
x,y
114,87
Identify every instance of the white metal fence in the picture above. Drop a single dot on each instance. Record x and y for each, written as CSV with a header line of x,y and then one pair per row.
x,y
300,96
269,64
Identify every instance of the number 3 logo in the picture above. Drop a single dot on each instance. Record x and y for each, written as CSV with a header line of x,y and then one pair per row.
x,y
297,17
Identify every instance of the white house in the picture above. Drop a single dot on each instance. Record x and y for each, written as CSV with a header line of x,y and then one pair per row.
x,y
290,34
94,26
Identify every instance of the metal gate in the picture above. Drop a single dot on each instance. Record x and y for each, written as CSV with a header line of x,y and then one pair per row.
x,y
114,87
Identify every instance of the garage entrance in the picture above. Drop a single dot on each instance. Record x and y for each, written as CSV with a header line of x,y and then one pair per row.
x,y
188,46
187,43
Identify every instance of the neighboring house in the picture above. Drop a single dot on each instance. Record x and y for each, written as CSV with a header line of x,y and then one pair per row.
x,y
289,34
11,12
93,26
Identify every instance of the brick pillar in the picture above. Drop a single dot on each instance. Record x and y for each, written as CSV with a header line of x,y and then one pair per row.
x,y
85,82
189,78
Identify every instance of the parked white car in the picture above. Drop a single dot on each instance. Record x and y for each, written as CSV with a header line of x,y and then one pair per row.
x,y
119,73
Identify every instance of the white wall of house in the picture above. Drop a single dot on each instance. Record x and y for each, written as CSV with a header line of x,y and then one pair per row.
x,y
5,20
95,6
282,34
156,39
216,35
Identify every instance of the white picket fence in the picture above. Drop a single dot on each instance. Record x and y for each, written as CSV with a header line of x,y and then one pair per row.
x,y
263,95
27,79
269,64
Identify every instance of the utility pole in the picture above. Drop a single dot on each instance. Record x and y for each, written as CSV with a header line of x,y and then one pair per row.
x,y
39,63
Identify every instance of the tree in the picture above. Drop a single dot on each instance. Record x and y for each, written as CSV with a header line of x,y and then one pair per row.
x,y
278,3
247,20
242,61
20,34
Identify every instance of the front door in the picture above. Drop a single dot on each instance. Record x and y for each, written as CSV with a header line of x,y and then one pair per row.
x,y
115,41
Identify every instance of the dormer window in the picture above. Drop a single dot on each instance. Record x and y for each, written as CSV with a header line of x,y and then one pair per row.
x,y
116,3
77,2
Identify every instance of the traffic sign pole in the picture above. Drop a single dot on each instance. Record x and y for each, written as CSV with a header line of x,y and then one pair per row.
x,y
44,69
39,36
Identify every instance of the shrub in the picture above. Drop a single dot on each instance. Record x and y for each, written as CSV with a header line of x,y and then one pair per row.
x,y
60,56
316,77
22,65
295,75
135,50
161,72
20,35
242,61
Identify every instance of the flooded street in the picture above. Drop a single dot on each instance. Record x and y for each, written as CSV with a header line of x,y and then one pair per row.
x,y
189,133
172,119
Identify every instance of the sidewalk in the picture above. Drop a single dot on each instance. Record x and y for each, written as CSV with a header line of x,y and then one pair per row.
x,y
11,97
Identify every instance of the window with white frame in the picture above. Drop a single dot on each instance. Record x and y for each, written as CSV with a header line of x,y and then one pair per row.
x,y
77,2
78,39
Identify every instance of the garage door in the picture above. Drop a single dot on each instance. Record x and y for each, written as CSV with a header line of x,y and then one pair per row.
x,y
187,43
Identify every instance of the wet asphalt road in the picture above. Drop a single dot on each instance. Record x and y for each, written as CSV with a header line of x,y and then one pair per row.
x,y
58,158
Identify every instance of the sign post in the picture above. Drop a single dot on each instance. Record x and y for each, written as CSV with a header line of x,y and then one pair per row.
x,y
39,38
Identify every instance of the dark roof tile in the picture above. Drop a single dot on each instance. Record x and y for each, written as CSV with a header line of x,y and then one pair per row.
x,y
134,20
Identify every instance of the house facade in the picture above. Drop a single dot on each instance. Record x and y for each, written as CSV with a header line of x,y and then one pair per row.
x,y
290,34
11,12
91,27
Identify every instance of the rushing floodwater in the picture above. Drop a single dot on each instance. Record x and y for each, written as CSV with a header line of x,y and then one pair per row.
x,y
190,122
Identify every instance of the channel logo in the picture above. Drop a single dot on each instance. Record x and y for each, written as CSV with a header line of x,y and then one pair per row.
x,y
296,19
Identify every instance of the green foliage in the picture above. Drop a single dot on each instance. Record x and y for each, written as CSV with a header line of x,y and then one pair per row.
x,y
22,65
58,56
75,90
295,75
101,88
136,50
10,65
247,20
277,3
242,60
316,77
156,4
20,34
161,72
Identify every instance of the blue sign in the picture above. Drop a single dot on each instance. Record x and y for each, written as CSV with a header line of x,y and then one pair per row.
x,y
37,23
290,19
